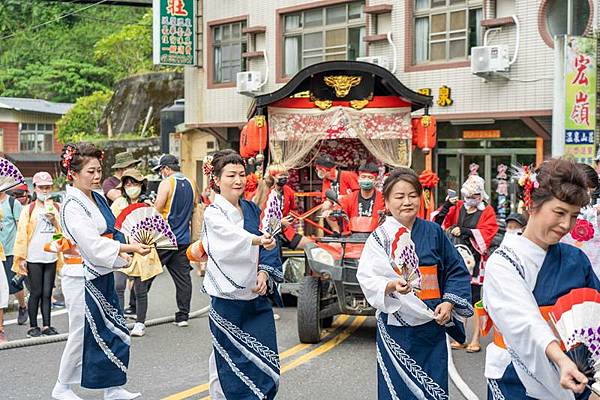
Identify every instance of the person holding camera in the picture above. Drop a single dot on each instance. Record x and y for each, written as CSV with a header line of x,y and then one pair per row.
x,y
37,225
133,188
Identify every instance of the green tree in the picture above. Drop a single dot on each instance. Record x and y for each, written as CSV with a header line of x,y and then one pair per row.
x,y
83,119
128,51
34,55
61,80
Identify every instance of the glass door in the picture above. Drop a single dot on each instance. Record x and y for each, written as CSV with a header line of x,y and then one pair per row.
x,y
500,194
449,171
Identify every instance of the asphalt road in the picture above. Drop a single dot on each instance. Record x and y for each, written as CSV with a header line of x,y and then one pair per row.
x,y
172,363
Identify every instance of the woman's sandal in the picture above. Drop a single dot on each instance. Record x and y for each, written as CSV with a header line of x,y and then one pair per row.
x,y
473,348
457,346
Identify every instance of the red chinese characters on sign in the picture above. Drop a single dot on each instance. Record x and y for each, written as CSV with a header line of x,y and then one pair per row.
x,y
581,65
176,8
580,113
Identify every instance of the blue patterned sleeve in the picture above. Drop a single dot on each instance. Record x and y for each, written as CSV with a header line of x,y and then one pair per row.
x,y
456,277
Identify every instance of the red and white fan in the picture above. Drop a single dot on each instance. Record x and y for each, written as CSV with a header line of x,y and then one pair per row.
x,y
145,225
10,176
576,318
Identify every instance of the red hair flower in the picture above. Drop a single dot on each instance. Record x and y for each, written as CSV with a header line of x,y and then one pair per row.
x,y
69,152
583,230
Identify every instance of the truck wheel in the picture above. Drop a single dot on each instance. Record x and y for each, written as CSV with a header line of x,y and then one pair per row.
x,y
309,323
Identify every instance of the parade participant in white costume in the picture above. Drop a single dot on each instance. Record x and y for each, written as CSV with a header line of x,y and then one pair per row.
x,y
98,352
419,284
585,235
525,276
242,266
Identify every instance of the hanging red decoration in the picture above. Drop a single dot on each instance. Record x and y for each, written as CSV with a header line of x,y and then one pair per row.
x,y
253,138
429,181
424,132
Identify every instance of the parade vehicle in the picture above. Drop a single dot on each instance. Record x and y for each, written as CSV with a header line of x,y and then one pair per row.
x,y
357,111
330,286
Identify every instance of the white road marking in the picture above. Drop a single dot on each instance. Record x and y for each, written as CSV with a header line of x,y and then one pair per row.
x,y
53,313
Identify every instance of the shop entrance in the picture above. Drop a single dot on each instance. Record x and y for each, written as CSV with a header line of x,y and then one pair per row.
x,y
454,166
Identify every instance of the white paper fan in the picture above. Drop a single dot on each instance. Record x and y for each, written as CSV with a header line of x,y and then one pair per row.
x,y
10,176
145,225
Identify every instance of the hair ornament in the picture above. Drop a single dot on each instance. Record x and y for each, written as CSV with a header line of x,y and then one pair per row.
x,y
68,155
526,177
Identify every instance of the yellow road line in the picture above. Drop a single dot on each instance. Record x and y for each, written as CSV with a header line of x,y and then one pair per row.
x,y
339,321
324,348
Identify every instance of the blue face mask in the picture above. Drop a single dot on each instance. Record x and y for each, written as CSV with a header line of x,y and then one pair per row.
x,y
366,184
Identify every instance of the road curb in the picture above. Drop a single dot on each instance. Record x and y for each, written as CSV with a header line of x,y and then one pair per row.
x,y
64,336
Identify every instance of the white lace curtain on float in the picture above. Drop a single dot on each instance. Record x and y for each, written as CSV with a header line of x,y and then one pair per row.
x,y
385,132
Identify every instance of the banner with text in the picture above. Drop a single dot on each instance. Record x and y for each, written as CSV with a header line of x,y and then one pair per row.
x,y
580,101
174,39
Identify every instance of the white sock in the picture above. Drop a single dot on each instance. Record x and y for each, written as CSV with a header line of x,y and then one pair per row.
x,y
118,393
64,392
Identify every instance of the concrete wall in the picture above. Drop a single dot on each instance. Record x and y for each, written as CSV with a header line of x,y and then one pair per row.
x,y
528,91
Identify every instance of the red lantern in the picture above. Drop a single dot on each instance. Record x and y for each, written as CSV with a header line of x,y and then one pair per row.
x,y
253,138
424,133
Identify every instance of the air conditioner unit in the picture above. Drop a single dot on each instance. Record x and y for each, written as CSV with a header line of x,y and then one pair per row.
x,y
248,82
489,59
382,61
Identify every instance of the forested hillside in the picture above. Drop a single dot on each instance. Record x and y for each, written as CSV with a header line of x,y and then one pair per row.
x,y
70,56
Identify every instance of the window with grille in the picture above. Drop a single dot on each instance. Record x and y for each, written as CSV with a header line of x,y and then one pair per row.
x,y
228,45
445,30
36,137
323,34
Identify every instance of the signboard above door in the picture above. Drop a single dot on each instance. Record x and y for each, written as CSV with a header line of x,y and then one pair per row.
x,y
482,134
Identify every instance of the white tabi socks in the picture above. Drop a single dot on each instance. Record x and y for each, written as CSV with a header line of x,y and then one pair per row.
x,y
64,392
118,393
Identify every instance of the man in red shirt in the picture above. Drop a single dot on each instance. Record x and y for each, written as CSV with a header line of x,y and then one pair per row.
x,y
341,182
362,206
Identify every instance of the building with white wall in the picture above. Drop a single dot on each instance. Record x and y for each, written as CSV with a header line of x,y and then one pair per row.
x,y
427,43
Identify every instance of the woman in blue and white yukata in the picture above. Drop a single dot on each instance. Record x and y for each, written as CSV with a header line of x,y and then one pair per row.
x,y
411,273
525,276
96,356
242,268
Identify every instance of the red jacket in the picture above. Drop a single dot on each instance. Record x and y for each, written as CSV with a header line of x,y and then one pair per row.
x,y
350,203
348,182
482,237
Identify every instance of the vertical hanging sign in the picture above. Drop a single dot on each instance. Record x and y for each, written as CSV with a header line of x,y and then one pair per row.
x,y
174,39
580,98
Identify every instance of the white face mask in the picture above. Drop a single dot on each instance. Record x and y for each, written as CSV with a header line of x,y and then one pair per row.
x,y
320,174
133,192
43,196
517,231
472,202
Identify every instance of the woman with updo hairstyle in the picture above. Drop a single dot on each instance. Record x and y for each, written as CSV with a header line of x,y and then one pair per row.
x,y
419,285
525,277
242,268
96,355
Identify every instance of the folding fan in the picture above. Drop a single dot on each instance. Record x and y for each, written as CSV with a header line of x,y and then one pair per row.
x,y
404,259
271,220
10,176
576,318
145,225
